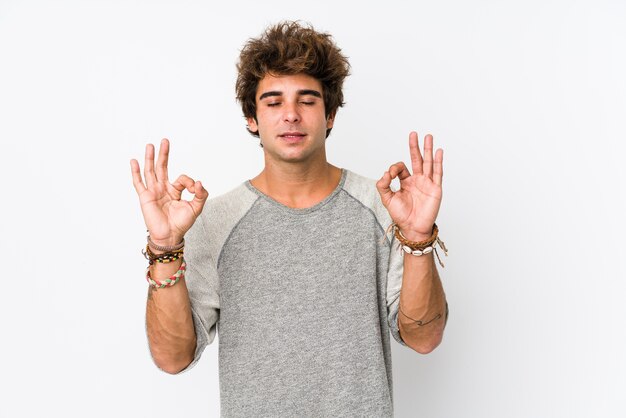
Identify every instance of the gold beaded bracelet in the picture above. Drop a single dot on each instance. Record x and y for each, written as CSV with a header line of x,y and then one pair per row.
x,y
167,257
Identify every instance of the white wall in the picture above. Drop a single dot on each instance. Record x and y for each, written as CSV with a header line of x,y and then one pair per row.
x,y
527,98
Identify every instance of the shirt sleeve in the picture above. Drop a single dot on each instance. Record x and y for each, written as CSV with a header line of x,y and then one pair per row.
x,y
394,285
364,190
202,283
203,245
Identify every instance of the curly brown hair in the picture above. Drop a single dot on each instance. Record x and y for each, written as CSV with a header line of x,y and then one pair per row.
x,y
289,48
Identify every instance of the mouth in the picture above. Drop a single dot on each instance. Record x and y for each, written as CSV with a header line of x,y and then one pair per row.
x,y
292,136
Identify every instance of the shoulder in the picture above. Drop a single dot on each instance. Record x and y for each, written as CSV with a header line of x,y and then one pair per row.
x,y
363,189
231,203
220,215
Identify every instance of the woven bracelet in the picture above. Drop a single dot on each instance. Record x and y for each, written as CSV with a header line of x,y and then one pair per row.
x,y
419,248
167,282
416,245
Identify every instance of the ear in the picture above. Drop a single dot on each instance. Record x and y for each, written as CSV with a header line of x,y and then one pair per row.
x,y
330,120
252,125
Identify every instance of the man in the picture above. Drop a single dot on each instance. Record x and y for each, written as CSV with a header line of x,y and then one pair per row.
x,y
294,268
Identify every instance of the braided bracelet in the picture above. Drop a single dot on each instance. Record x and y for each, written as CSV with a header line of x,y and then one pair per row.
x,y
419,248
180,274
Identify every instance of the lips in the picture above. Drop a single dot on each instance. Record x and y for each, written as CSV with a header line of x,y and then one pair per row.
x,y
292,135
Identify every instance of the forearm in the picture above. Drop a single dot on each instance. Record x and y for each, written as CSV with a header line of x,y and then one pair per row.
x,y
422,314
169,322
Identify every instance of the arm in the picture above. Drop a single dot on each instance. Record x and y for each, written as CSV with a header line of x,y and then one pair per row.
x,y
414,208
422,314
169,321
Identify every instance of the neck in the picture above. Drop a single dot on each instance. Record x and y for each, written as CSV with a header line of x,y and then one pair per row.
x,y
298,185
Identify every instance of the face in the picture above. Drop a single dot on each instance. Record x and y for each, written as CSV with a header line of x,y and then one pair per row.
x,y
290,118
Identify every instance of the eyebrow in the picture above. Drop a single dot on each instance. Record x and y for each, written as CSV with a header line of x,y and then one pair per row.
x,y
304,92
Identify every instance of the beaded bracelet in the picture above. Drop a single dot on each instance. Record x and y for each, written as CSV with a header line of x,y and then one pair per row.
x,y
180,274
419,248
161,258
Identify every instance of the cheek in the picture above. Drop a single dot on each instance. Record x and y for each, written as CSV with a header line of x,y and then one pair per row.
x,y
265,123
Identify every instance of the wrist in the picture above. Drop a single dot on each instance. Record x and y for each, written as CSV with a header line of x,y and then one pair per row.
x,y
163,253
165,244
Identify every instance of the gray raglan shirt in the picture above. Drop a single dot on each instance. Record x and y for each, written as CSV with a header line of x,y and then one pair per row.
x,y
304,301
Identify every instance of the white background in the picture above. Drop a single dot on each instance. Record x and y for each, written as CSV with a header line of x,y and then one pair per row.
x,y
528,100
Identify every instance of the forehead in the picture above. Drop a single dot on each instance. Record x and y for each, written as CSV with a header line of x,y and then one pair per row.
x,y
288,84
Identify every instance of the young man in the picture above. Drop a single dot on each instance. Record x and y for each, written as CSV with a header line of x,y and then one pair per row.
x,y
295,267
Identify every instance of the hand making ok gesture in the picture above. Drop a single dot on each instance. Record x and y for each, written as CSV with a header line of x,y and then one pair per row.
x,y
415,205
167,217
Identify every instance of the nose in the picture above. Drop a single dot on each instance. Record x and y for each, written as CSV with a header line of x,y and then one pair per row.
x,y
291,113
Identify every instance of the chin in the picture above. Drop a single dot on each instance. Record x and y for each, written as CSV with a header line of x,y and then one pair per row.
x,y
291,157
294,154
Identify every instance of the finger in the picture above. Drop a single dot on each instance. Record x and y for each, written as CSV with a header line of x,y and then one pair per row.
x,y
184,182
416,156
199,198
438,167
137,181
428,155
384,188
148,168
399,170
161,166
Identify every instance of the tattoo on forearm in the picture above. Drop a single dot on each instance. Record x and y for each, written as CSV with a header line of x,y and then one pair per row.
x,y
421,323
150,290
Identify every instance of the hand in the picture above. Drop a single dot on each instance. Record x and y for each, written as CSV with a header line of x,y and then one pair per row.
x,y
167,217
414,207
